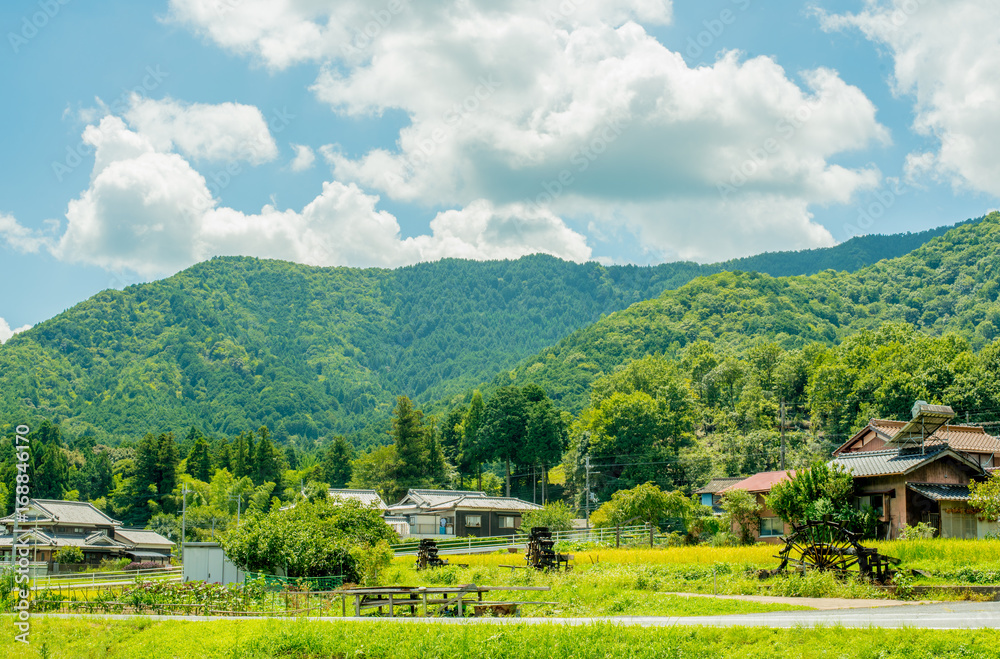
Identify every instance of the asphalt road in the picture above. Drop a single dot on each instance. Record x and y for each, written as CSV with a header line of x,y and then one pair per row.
x,y
952,615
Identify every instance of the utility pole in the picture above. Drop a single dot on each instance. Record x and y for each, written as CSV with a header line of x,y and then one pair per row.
x,y
184,518
239,500
782,431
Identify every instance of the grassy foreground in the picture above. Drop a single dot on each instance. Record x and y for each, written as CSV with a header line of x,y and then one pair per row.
x,y
248,639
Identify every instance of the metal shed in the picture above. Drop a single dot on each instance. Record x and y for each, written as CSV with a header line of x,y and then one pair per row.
x,y
205,561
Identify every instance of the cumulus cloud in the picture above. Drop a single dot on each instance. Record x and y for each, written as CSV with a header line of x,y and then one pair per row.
x,y
946,57
6,332
151,212
304,158
222,132
19,237
570,105
281,33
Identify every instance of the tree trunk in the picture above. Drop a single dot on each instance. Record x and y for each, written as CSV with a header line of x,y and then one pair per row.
x,y
480,476
650,533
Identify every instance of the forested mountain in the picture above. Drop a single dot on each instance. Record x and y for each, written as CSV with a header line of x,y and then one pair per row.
x,y
236,343
950,284
849,255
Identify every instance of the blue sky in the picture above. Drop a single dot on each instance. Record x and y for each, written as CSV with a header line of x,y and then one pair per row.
x,y
140,138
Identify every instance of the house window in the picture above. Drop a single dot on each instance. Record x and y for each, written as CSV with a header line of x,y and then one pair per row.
x,y
874,500
508,522
771,526
473,521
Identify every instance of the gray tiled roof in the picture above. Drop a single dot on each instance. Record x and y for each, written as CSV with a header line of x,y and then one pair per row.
x,y
494,503
366,497
417,501
141,537
941,492
69,513
891,462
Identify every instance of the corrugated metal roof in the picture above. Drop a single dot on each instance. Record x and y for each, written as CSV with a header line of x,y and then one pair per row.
x,y
718,484
894,461
366,497
941,491
762,482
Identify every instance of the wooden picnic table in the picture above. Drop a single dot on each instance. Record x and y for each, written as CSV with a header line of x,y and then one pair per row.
x,y
380,597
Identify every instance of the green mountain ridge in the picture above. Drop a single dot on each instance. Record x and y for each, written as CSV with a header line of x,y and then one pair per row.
x,y
235,343
949,284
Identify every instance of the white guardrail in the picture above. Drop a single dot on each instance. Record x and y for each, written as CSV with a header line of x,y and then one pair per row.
x,y
95,578
453,545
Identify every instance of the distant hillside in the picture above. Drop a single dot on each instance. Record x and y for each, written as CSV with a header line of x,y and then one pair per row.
x,y
234,343
849,256
949,284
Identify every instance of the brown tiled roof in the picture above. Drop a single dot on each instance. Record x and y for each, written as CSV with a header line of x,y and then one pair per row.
x,y
762,482
971,439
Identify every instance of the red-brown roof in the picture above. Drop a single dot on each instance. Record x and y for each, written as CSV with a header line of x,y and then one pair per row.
x,y
762,482
971,439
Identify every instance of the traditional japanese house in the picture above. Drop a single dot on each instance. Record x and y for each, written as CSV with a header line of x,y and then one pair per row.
x,y
460,513
919,471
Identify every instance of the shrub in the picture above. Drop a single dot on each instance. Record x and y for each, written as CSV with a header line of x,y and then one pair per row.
x,y
144,565
921,531
113,564
741,509
69,555
556,516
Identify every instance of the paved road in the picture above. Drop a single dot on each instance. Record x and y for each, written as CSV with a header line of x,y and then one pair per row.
x,y
822,603
952,615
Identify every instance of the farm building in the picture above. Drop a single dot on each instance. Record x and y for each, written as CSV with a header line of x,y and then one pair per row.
x,y
460,513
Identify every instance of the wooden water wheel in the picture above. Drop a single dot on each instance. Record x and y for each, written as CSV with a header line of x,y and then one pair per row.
x,y
829,546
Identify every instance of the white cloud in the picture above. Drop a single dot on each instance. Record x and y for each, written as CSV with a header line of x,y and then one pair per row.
x,y
946,55
285,32
504,97
151,212
19,237
222,132
6,332
304,158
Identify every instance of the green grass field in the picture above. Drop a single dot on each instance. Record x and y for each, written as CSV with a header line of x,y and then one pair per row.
x,y
248,639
